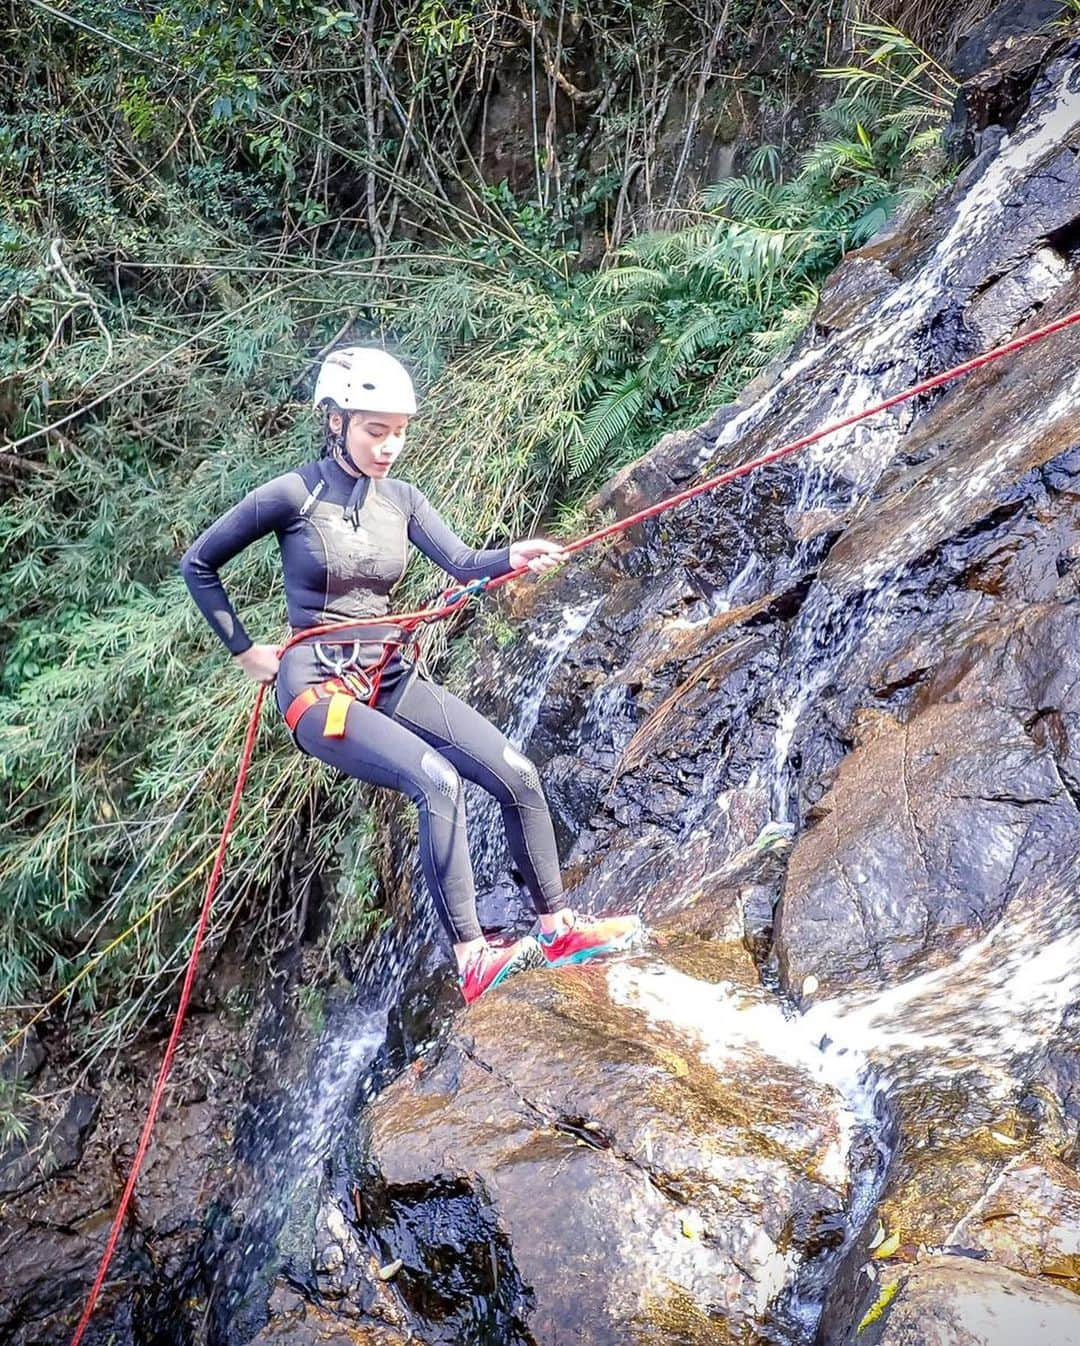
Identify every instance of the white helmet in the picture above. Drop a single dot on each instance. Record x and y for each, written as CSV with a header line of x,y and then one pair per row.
x,y
364,378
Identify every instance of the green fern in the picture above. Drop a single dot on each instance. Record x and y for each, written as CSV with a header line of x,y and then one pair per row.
x,y
609,416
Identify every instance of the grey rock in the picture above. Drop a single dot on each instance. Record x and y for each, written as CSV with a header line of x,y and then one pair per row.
x,y
952,1301
919,846
1029,1220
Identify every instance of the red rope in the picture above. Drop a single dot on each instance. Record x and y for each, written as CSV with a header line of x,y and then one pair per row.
x,y
409,622
181,1011
796,444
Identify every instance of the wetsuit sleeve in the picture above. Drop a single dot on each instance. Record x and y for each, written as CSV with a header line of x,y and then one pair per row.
x,y
260,512
430,532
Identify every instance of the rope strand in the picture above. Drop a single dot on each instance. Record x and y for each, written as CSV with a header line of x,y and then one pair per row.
x,y
178,1022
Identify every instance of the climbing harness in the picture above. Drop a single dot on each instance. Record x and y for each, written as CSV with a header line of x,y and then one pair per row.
x,y
352,680
449,602
341,697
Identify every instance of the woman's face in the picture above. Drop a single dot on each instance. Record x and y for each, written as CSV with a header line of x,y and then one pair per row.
x,y
373,441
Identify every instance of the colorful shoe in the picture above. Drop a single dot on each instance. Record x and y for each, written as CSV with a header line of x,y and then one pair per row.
x,y
490,965
580,939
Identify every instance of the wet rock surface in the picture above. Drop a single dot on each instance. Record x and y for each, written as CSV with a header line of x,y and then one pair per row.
x,y
1029,1220
919,847
956,1302
579,1161
879,651
66,1177
295,1321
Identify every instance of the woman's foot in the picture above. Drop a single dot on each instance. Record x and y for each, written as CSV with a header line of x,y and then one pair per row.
x,y
577,939
489,965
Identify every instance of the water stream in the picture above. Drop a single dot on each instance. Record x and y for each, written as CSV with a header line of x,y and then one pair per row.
x,y
524,672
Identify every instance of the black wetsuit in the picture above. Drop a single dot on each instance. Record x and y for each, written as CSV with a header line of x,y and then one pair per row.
x,y
344,544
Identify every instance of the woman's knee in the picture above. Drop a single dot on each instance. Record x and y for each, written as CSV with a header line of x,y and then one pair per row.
x,y
522,777
437,782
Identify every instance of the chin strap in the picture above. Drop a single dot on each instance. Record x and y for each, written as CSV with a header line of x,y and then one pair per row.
x,y
356,500
360,488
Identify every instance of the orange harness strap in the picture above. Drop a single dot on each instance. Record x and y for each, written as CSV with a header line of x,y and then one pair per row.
x,y
333,690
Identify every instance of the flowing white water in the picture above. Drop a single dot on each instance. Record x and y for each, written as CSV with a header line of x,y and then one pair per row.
x,y
825,636
293,1136
889,348
1003,998
888,342
743,1028
730,1021
828,629
993,1009
525,680
325,1101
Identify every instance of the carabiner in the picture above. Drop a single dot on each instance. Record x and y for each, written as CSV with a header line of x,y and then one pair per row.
x,y
345,661
473,590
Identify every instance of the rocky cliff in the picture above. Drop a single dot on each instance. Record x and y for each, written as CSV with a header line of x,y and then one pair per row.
x,y
874,651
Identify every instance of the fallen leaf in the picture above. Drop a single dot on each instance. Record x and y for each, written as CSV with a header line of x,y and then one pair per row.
x,y
674,1062
887,1247
391,1269
880,1305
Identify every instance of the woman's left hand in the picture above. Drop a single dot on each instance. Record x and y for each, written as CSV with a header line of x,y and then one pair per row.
x,y
536,553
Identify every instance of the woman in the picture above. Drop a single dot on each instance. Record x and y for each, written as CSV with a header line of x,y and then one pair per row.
x,y
343,525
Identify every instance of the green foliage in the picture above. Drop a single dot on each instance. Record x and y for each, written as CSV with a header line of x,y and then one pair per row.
x,y
909,84
187,224
311,1001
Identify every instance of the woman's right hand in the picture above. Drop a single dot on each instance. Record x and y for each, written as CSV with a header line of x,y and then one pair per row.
x,y
259,662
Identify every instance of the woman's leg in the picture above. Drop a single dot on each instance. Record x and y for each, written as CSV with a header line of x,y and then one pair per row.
x,y
377,749
482,753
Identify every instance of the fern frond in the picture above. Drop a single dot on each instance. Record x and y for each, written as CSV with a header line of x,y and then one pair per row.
x,y
609,416
642,280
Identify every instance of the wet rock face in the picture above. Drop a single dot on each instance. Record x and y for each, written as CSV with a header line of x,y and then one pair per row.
x,y
919,846
878,647
955,1302
67,1176
1029,1220
577,1162
998,62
